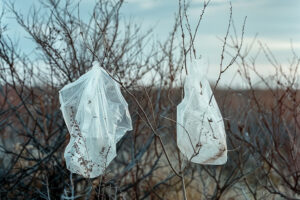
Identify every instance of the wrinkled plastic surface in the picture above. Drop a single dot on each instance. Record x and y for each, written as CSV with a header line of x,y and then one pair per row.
x,y
97,117
200,128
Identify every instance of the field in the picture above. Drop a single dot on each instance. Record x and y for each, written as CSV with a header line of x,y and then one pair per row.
x,y
261,156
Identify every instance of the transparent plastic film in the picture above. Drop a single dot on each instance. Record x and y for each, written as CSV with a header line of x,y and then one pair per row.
x,y
201,133
97,117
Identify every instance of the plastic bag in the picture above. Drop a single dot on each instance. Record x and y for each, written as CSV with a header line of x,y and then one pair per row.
x,y
97,116
200,128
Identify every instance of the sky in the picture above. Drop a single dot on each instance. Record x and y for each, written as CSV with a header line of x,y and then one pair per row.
x,y
275,22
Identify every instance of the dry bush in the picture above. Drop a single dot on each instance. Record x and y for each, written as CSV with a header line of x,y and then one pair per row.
x,y
262,126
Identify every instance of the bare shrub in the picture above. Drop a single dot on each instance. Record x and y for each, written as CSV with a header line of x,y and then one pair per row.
x,y
262,125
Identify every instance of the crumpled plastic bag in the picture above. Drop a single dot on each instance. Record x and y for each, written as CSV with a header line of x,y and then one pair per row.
x,y
200,128
97,116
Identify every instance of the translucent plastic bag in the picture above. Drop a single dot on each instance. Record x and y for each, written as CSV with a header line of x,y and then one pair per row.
x,y
97,117
200,128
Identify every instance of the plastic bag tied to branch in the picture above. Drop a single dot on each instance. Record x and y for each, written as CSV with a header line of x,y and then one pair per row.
x,y
200,128
97,116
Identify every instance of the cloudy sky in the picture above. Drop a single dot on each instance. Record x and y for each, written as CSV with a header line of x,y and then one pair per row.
x,y
275,21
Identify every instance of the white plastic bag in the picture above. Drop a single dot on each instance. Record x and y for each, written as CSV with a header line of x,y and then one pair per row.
x,y
200,128
97,117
